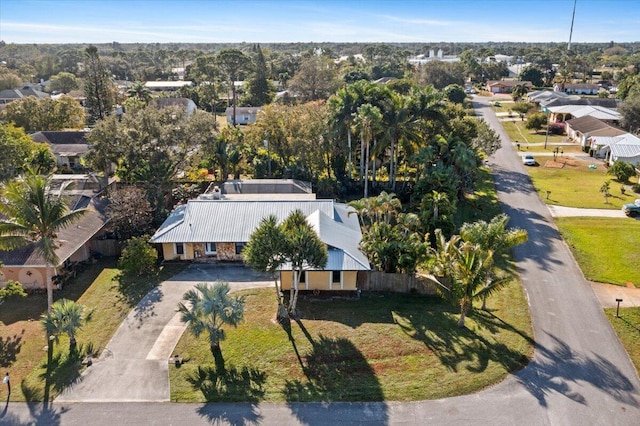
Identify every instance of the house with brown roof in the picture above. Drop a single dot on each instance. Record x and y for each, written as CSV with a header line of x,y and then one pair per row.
x,y
506,86
580,129
76,244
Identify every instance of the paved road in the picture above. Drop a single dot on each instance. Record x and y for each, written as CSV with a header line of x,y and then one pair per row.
x,y
134,366
580,374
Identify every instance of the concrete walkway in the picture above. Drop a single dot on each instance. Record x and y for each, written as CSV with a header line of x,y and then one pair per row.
x,y
561,211
134,367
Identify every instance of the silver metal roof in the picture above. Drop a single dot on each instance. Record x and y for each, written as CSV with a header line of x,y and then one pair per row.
x,y
201,221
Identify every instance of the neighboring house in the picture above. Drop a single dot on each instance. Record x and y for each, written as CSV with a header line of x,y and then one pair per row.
x,y
27,266
69,148
566,100
10,95
244,115
580,129
187,104
577,88
163,86
505,86
539,96
218,229
625,147
560,114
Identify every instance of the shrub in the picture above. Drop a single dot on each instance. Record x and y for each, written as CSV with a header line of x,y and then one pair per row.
x,y
138,258
622,170
636,188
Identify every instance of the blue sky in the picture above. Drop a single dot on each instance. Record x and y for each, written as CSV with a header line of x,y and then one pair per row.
x,y
129,21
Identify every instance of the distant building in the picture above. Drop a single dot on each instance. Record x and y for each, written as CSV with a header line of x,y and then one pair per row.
x,y
164,86
10,95
244,115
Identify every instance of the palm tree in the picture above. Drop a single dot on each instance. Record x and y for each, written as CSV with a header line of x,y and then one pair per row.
x,y
65,317
208,308
464,273
140,92
35,216
368,121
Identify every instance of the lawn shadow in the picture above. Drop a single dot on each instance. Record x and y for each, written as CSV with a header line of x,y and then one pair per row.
x,y
229,384
9,349
371,307
553,369
63,369
336,371
286,326
438,330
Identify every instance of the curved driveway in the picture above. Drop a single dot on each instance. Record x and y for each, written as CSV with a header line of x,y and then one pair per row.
x,y
580,373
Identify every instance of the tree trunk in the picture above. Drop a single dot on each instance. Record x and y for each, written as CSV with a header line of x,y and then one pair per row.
x,y
49,284
392,179
282,310
361,159
294,301
484,302
464,308
373,173
349,145
462,317
366,173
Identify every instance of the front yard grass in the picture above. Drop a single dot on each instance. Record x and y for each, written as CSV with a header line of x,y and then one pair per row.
x,y
23,342
518,132
573,184
605,248
381,347
627,328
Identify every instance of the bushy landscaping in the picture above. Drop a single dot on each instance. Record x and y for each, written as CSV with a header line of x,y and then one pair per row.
x,y
605,249
380,347
23,342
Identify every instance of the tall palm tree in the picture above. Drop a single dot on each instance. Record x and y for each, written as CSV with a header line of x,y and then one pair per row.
x,y
35,216
208,308
368,121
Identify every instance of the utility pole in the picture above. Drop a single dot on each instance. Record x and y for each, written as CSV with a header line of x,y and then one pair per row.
x,y
573,16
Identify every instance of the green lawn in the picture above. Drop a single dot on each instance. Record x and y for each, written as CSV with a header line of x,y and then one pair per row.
x,y
381,347
482,203
575,185
627,328
518,132
605,249
22,344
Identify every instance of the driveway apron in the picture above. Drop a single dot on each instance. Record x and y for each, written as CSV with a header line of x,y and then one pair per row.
x,y
135,364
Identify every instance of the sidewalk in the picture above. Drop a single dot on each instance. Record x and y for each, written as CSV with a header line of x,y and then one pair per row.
x,y
561,211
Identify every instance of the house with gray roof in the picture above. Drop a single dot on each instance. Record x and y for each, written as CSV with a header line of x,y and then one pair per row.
x,y
10,95
218,229
625,147
69,147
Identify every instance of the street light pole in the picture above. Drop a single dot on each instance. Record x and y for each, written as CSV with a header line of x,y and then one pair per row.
x,y
266,145
546,136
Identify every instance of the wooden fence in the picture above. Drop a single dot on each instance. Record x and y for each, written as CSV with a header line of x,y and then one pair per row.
x,y
396,283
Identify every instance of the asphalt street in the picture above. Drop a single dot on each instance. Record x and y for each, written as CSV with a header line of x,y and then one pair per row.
x,y
580,374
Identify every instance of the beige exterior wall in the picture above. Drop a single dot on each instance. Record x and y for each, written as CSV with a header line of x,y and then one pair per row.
x,y
224,251
321,280
30,277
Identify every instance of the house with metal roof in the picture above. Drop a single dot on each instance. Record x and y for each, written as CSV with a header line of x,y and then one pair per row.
x,y
625,147
218,229
560,114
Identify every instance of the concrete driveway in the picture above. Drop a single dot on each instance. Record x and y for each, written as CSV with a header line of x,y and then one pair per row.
x,y
134,365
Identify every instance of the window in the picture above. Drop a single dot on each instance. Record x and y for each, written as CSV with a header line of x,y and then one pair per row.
x,y
303,277
179,248
336,275
239,247
210,248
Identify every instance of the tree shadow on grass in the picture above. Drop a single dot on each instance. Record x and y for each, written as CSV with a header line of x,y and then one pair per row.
x,y
229,384
553,369
9,349
336,371
438,330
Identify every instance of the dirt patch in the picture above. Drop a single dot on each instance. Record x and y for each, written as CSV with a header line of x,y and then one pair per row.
x,y
554,164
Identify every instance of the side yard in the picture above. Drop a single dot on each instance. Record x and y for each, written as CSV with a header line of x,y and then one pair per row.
x,y
627,328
